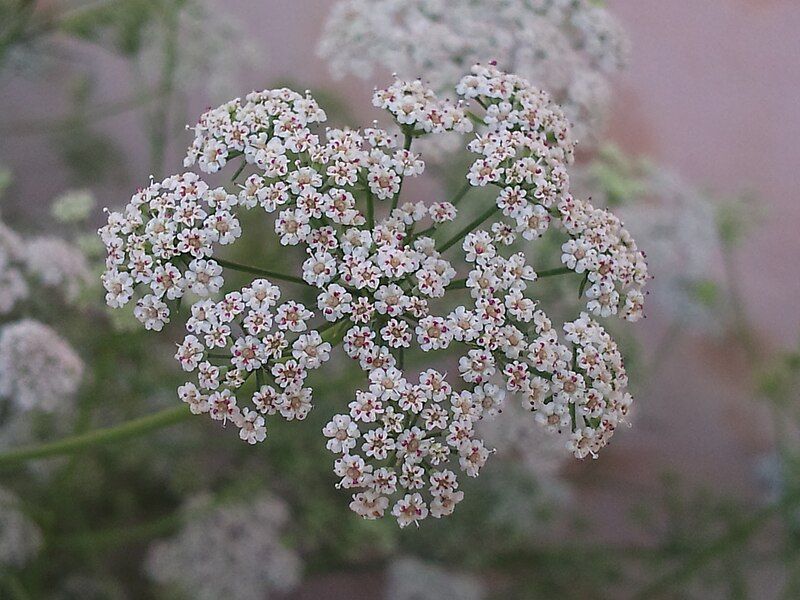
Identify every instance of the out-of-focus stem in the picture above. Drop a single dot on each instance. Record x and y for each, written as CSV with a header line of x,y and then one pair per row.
x,y
161,118
129,429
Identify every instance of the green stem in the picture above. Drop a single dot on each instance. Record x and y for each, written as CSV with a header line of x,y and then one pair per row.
x,y
129,429
370,210
461,193
461,234
454,201
227,264
457,284
239,170
406,146
582,287
553,272
161,119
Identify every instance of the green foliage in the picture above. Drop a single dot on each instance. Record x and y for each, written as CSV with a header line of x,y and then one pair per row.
x,y
120,25
736,219
620,177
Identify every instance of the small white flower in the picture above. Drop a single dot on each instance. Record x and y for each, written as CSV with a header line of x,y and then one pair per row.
x,y
204,277
343,433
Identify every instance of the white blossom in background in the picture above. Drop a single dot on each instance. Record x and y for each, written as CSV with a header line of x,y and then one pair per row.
x,y
39,370
413,579
90,587
46,261
213,50
680,222
20,537
56,263
521,440
73,206
234,552
378,268
568,47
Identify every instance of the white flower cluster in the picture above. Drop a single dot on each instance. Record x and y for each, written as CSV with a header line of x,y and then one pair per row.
x,y
377,281
233,552
525,151
20,537
408,433
615,270
38,369
166,226
568,47
261,349
265,127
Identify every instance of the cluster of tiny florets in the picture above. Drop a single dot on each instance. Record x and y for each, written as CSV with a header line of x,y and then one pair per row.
x,y
415,106
378,281
267,127
615,270
163,241
680,223
260,339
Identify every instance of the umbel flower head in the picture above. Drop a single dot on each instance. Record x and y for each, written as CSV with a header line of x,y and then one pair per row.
x,y
381,277
568,47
